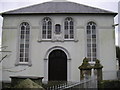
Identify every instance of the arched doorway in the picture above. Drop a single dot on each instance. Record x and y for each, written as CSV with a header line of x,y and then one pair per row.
x,y
57,66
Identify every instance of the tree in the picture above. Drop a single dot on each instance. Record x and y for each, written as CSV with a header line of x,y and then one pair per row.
x,y
118,55
3,51
5,54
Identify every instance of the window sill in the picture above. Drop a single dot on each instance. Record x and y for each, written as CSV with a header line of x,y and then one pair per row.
x,y
44,40
71,40
23,63
65,40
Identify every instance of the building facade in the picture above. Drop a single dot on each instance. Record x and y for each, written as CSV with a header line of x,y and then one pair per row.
x,y
51,40
119,23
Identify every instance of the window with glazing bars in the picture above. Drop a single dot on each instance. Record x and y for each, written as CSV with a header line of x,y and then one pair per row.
x,y
69,28
91,41
46,28
24,42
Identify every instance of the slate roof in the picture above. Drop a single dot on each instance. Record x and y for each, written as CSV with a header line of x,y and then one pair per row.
x,y
59,7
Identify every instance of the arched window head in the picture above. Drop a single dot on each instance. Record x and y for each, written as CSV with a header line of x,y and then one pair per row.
x,y
91,28
46,28
24,42
68,28
91,41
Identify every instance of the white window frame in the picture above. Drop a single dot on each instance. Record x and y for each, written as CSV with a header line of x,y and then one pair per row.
x,y
91,41
54,36
24,40
69,27
47,27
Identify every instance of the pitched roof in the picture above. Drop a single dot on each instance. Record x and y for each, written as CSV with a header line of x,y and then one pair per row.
x,y
59,7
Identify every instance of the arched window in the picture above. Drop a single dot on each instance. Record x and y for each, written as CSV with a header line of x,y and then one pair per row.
x,y
91,41
69,28
46,28
24,42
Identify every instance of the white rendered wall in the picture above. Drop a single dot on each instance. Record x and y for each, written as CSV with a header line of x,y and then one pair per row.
x,y
119,23
0,73
76,49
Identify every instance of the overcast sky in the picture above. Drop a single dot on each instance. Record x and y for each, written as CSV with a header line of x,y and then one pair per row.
x,y
111,5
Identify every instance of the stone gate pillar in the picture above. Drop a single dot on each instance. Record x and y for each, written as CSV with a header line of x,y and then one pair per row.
x,y
85,69
98,70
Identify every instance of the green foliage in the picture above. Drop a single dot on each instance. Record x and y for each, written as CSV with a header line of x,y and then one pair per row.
x,y
97,65
6,85
53,83
118,55
118,52
109,84
27,83
85,65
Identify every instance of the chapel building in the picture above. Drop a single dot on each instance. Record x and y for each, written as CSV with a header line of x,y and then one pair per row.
x,y
51,40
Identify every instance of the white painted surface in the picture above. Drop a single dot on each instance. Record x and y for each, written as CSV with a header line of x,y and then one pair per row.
x,y
0,74
119,23
76,49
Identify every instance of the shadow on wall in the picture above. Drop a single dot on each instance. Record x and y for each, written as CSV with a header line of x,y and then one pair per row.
x,y
0,77
0,85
